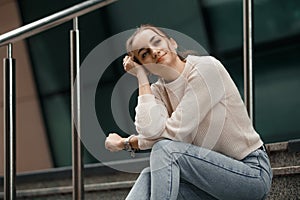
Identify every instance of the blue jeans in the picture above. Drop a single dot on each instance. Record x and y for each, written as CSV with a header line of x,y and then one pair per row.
x,y
183,171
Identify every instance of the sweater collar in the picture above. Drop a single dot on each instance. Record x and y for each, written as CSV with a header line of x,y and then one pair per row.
x,y
182,77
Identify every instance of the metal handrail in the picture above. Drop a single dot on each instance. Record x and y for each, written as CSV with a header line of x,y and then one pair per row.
x,y
51,21
24,32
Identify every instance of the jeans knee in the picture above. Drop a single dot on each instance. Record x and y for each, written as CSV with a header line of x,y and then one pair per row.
x,y
160,144
160,154
145,170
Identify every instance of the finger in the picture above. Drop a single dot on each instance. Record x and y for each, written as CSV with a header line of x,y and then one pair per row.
x,y
127,58
124,60
109,148
126,63
106,144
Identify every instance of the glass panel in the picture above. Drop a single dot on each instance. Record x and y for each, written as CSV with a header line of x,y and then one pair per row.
x,y
216,24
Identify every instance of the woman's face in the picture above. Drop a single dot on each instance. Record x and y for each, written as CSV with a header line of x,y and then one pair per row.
x,y
154,50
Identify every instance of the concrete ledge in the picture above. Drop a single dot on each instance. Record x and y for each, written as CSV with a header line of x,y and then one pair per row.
x,y
279,146
291,170
90,171
284,154
68,189
290,146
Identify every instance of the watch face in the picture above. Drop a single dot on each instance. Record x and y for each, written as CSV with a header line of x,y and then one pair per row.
x,y
127,145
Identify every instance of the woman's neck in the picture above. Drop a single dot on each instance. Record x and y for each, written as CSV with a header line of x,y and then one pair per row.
x,y
172,73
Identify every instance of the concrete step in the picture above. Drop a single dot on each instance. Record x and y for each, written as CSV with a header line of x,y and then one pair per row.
x,y
285,162
284,153
102,182
285,186
99,179
285,183
111,191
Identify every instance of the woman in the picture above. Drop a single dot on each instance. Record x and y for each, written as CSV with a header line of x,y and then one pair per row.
x,y
203,143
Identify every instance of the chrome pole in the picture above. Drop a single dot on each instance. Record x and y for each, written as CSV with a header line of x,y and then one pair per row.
x,y
77,164
9,107
248,71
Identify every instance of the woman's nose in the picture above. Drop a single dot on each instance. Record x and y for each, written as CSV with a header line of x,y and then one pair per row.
x,y
155,52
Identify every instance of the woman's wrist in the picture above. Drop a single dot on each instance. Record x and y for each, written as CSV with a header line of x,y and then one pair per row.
x,y
128,145
122,143
144,85
132,141
142,77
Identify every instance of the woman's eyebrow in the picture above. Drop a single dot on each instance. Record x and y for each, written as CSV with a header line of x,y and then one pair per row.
x,y
139,51
152,38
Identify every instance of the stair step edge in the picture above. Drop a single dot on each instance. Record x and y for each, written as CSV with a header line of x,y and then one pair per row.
x,y
278,171
68,189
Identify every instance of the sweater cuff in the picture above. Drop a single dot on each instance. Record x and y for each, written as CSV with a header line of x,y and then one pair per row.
x,y
146,98
145,144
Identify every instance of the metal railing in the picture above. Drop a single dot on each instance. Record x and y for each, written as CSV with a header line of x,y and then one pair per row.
x,y
9,111
72,13
24,32
52,21
248,53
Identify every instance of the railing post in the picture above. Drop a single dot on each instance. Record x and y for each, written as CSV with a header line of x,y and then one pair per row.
x,y
9,107
77,164
248,71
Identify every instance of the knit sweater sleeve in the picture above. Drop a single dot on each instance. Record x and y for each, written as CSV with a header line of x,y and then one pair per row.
x,y
202,91
150,117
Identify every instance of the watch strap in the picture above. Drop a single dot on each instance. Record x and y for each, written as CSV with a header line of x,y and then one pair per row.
x,y
127,145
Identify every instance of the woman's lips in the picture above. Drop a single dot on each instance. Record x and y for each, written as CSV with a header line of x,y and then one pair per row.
x,y
160,58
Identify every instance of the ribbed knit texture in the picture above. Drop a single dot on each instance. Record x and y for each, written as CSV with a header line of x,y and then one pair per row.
x,y
202,107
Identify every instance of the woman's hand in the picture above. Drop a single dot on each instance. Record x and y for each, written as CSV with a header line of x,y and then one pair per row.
x,y
132,67
114,142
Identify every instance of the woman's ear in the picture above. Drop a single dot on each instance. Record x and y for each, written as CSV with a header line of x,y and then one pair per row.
x,y
173,43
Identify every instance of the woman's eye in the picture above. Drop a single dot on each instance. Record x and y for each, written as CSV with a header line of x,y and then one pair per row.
x,y
157,41
144,54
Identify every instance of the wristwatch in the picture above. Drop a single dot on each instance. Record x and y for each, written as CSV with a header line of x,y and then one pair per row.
x,y
128,147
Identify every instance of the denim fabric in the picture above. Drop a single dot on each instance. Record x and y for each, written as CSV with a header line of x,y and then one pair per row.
x,y
183,171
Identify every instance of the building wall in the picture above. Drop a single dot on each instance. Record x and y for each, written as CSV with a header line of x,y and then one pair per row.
x,y
32,146
217,25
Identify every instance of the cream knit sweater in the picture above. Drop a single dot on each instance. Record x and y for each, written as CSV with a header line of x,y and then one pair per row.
x,y
202,107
